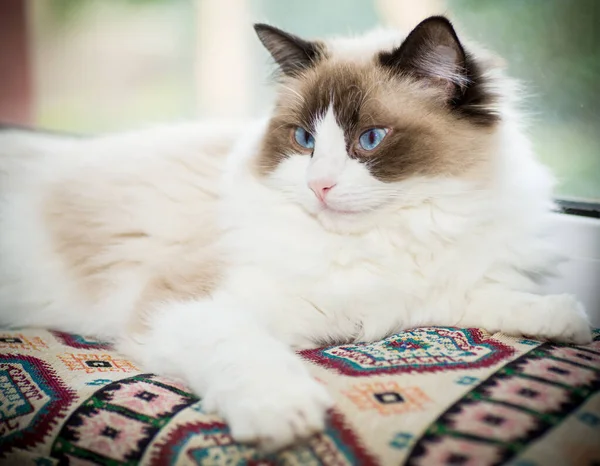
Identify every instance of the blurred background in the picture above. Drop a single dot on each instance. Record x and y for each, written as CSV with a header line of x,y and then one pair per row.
x,y
94,66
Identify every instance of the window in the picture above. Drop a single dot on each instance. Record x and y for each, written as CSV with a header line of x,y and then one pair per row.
x,y
553,46
99,66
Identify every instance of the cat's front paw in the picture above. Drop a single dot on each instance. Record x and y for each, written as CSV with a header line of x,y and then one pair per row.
x,y
273,412
564,320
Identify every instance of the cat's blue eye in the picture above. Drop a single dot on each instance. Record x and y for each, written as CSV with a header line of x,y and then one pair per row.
x,y
371,138
304,138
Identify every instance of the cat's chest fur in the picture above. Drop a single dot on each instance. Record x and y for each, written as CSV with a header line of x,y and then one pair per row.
x,y
326,287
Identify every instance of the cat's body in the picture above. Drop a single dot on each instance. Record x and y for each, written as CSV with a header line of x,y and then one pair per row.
x,y
131,237
97,229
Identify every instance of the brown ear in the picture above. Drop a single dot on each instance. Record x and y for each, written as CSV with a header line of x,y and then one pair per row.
x,y
290,52
432,52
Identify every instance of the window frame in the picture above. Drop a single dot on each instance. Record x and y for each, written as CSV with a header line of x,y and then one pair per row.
x,y
578,207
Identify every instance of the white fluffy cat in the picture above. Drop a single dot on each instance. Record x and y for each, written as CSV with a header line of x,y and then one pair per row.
x,y
392,187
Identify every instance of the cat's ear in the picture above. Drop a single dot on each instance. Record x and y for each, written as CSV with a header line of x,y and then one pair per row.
x,y
290,52
433,52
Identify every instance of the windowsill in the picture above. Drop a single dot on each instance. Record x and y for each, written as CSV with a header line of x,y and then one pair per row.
x,y
577,236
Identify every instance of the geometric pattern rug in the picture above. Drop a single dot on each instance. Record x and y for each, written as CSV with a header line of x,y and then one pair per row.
x,y
428,396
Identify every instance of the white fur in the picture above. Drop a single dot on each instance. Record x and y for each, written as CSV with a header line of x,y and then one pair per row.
x,y
361,48
383,257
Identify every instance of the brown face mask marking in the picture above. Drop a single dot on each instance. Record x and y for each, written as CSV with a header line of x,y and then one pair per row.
x,y
437,126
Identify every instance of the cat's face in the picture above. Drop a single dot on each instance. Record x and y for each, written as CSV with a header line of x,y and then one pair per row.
x,y
359,129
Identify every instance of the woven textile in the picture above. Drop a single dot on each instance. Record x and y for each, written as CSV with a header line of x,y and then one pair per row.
x,y
429,396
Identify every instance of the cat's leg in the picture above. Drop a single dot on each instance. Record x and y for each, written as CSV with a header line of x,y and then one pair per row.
x,y
257,383
550,317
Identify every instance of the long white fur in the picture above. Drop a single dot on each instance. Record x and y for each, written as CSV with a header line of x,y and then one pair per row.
x,y
427,251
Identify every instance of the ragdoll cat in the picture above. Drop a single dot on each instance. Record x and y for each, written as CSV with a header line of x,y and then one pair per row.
x,y
392,187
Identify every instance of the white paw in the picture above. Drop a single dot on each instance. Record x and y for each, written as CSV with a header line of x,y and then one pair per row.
x,y
273,412
562,319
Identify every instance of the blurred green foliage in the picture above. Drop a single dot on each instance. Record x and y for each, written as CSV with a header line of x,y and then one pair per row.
x,y
319,18
554,45
64,10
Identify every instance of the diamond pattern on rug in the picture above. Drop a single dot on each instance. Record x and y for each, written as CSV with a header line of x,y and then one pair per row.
x,y
80,342
426,396
387,398
96,362
32,400
19,341
515,406
420,350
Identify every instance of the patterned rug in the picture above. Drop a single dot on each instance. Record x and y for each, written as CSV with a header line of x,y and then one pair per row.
x,y
430,396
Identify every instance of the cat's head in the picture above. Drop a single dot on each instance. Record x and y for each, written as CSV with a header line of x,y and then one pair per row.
x,y
365,125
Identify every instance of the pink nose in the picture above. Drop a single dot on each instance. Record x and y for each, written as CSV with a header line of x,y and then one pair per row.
x,y
321,187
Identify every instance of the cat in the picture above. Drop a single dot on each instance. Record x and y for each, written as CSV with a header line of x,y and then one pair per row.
x,y
391,187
